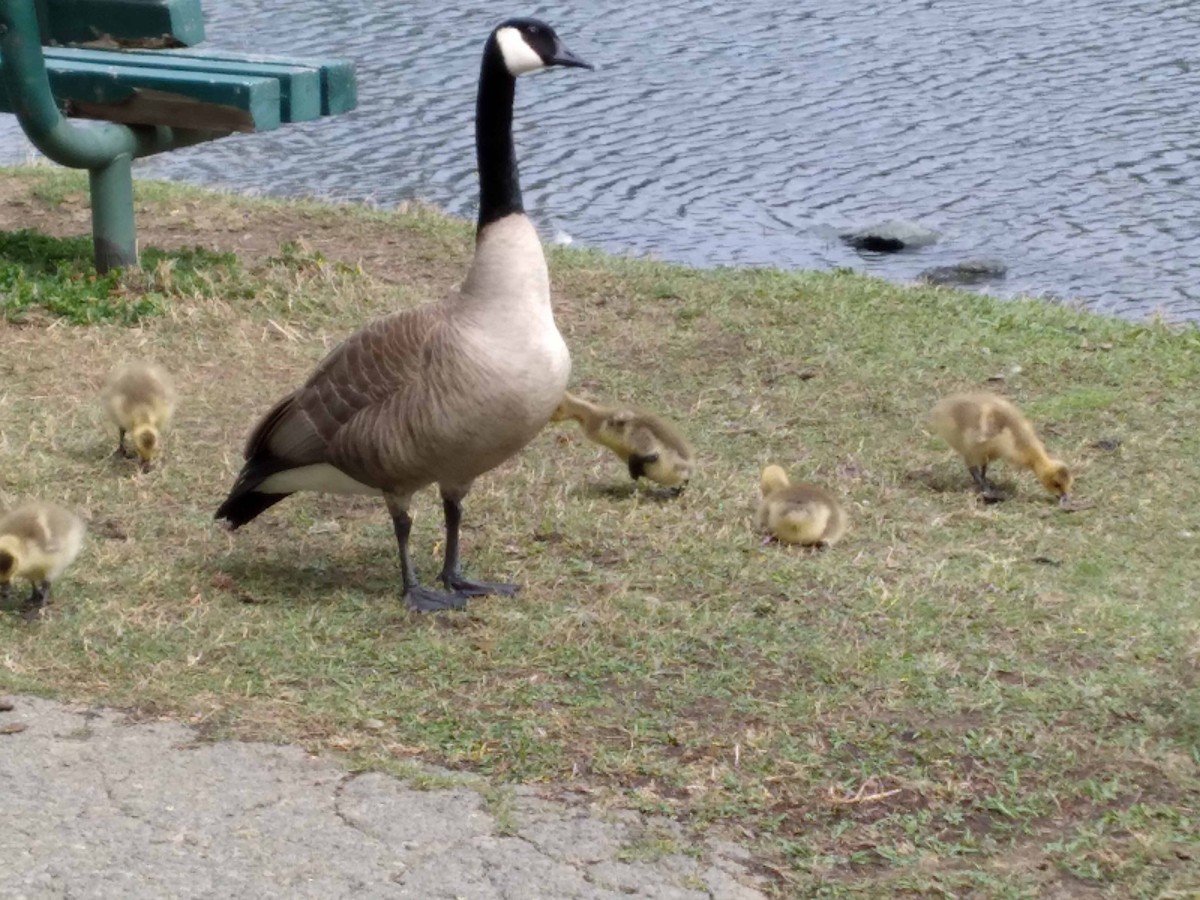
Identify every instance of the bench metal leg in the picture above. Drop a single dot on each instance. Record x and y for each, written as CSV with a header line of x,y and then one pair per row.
x,y
113,234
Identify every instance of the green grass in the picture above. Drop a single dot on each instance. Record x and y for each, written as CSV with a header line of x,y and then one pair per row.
x,y
55,276
957,700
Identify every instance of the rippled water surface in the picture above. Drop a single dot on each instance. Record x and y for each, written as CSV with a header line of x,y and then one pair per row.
x,y
1059,136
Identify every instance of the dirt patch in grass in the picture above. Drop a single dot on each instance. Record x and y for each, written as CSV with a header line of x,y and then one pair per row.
x,y
957,699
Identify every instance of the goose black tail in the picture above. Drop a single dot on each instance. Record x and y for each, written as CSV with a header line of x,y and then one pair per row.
x,y
245,502
237,511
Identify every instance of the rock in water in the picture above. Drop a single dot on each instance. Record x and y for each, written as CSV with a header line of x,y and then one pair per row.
x,y
969,271
890,237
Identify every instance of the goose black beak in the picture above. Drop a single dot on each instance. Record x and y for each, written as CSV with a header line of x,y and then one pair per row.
x,y
1064,501
564,57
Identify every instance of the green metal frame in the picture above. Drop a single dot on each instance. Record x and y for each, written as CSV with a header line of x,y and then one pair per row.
x,y
106,150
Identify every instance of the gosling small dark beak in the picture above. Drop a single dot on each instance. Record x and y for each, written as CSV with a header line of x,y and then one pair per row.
x,y
1064,501
564,57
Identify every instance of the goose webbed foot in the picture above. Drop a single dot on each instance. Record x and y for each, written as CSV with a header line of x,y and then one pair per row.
x,y
668,493
38,600
464,587
988,492
419,598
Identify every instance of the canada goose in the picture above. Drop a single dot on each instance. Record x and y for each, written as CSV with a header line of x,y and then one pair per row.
x,y
443,392
649,445
140,399
983,428
798,513
37,542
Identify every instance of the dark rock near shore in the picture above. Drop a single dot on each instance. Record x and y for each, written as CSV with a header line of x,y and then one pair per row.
x,y
969,271
890,237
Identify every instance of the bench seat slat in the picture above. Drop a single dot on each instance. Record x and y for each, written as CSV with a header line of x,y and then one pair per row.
x,y
299,86
339,90
142,96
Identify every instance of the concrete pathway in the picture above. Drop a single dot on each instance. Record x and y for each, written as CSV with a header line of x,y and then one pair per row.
x,y
94,807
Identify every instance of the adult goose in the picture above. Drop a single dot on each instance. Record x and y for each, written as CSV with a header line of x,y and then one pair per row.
x,y
444,392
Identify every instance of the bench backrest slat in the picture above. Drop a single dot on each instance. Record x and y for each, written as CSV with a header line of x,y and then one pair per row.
x,y
143,23
339,89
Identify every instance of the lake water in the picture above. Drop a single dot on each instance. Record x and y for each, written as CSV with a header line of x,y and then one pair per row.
x,y
1058,136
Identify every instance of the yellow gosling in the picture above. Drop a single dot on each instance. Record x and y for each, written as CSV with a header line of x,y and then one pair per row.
x,y
798,513
37,542
141,400
649,445
984,428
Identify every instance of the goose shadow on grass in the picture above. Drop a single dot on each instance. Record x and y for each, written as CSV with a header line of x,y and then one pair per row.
x,y
101,451
254,579
623,490
951,479
16,602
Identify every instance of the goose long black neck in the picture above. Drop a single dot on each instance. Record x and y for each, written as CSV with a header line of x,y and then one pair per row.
x,y
499,183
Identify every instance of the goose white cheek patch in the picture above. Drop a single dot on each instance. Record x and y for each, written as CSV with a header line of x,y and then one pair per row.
x,y
519,57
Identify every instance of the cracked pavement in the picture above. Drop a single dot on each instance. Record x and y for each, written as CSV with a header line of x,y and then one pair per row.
x,y
96,807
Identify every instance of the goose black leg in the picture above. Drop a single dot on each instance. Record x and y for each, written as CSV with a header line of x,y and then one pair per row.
x,y
988,492
38,600
452,575
417,597
122,452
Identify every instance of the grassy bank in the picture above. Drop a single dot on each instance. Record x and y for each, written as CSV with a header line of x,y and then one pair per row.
x,y
1000,700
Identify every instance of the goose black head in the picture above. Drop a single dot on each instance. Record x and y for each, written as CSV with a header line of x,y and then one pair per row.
x,y
526,45
10,558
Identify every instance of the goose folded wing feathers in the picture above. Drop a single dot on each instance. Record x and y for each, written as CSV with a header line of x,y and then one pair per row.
x,y
365,379
991,424
643,441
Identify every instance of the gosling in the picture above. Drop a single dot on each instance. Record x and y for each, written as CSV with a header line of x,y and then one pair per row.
x,y
650,446
37,542
798,513
141,400
983,428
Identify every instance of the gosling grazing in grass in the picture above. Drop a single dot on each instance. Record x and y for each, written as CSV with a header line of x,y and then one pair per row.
x,y
798,513
983,428
444,392
649,445
37,542
141,400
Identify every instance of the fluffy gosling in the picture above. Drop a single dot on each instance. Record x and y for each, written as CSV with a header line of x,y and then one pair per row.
x,y
141,399
37,542
649,445
983,428
798,513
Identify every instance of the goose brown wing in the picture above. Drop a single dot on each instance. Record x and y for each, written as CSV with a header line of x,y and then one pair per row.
x,y
370,370
669,434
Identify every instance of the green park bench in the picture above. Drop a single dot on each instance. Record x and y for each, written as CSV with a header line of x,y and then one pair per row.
x,y
130,65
